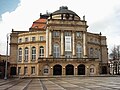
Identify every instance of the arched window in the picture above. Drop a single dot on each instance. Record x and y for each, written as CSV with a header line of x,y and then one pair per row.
x,y
91,53
33,53
79,51
56,51
20,55
41,54
26,54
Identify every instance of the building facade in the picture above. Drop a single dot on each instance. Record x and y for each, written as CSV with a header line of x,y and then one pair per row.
x,y
58,43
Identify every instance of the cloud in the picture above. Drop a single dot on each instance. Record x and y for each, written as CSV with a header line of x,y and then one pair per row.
x,y
101,15
109,26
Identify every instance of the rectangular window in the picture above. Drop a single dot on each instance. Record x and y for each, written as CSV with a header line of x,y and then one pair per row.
x,y
26,54
78,51
19,70
56,52
46,70
32,70
67,33
68,54
56,33
19,40
25,70
26,39
41,51
78,34
33,38
41,38
20,55
33,53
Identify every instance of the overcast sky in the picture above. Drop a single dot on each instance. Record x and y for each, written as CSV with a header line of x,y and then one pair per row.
x,y
101,16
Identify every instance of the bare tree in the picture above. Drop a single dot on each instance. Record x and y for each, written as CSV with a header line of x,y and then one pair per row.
x,y
115,54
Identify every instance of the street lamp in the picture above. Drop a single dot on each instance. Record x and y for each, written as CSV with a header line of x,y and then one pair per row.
x,y
6,58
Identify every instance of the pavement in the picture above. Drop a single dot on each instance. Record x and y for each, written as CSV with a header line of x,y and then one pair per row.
x,y
62,83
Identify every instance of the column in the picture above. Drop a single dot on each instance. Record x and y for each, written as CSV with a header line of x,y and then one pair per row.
x,y
84,45
73,35
75,70
50,43
63,70
62,43
47,34
37,52
37,70
23,56
29,54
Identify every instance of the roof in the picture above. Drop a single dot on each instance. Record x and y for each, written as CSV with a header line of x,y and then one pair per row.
x,y
39,24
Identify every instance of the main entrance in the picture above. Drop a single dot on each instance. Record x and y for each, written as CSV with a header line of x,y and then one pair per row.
x,y
81,69
57,70
69,69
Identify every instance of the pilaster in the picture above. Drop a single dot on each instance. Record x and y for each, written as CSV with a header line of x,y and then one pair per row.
x,y
50,43
84,45
73,37
47,35
62,43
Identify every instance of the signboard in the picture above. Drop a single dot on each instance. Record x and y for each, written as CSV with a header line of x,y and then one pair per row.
x,y
67,43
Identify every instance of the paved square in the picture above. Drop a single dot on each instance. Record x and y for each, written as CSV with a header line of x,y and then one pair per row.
x,y
59,83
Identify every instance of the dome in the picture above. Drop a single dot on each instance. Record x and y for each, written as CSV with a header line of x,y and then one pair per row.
x,y
64,10
64,13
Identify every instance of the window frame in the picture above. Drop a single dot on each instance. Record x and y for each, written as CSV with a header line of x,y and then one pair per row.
x,y
56,33
33,70
79,51
41,51
33,39
91,52
20,54
26,54
78,34
20,40
26,39
56,51
33,54
41,38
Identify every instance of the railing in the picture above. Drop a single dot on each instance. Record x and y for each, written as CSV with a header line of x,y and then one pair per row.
x,y
66,59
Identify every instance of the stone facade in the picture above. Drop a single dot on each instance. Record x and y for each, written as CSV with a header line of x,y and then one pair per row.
x,y
58,44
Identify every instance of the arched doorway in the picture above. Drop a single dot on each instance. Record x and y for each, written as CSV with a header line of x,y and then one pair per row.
x,y
81,69
57,70
13,71
69,69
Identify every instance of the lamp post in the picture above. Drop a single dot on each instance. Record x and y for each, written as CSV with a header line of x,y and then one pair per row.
x,y
100,54
6,58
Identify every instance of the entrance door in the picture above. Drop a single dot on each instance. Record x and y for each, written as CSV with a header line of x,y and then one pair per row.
x,y
81,69
13,71
57,70
69,69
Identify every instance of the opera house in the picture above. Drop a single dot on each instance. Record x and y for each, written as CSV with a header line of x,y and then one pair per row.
x,y
58,43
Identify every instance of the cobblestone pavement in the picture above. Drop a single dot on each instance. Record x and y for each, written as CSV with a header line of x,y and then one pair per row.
x,y
66,83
